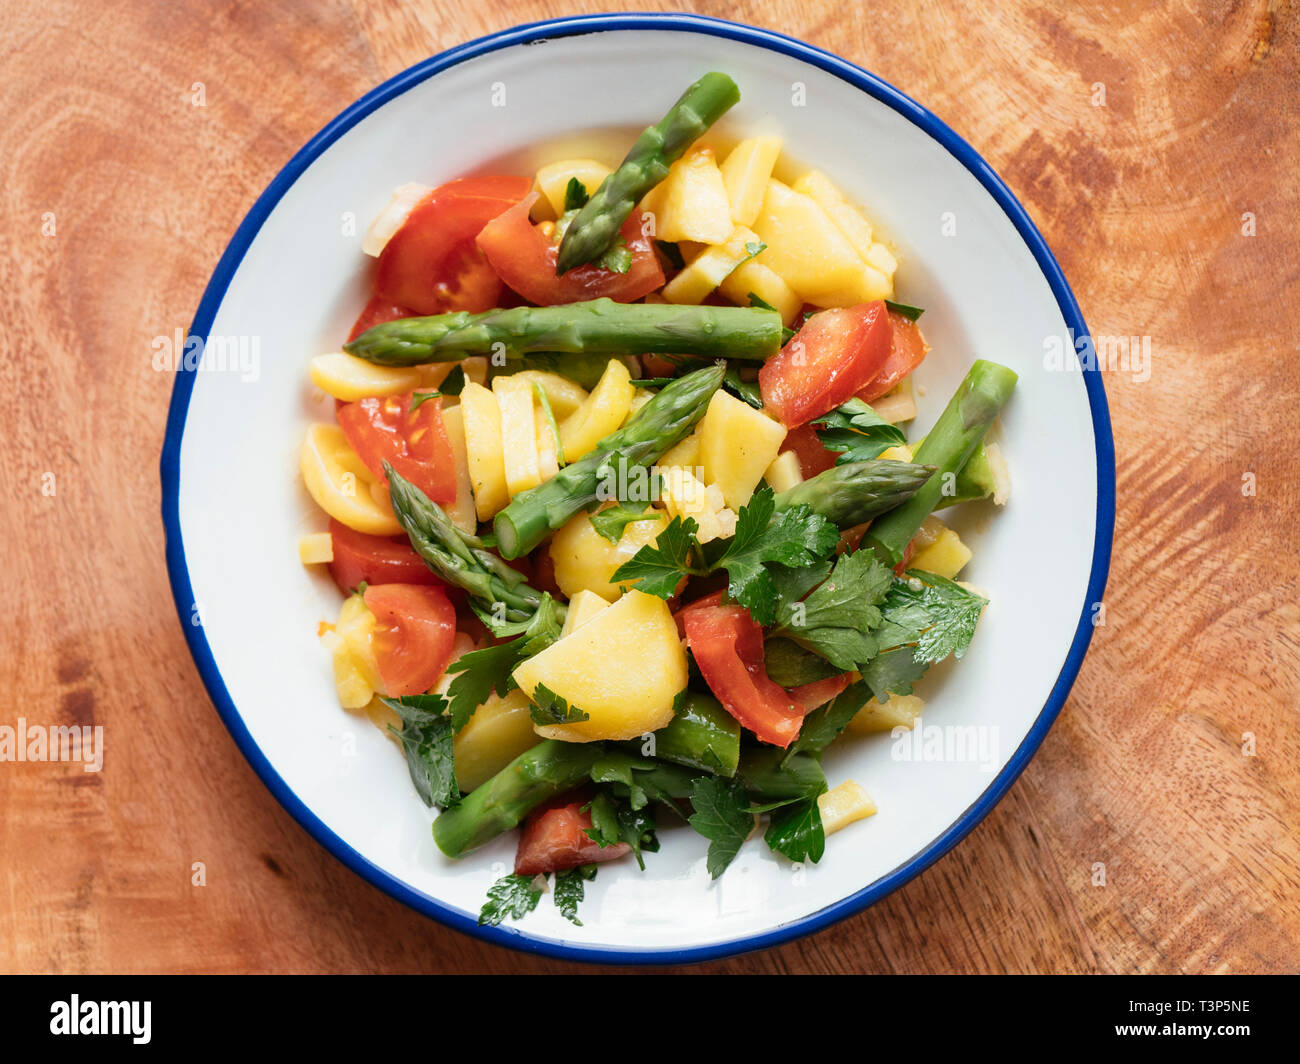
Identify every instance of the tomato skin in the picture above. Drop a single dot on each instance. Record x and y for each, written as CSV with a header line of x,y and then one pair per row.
x,y
835,353
432,264
375,560
728,647
554,839
907,350
811,695
378,312
525,260
416,445
414,635
807,447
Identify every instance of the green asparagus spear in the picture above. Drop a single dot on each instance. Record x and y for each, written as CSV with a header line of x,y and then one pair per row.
x,y
657,426
598,326
596,226
771,774
974,480
959,430
457,557
549,768
702,735
856,492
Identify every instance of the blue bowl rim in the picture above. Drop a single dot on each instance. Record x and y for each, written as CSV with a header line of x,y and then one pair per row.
x,y
230,260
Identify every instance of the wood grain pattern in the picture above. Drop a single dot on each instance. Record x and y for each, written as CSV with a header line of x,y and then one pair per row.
x,y
1145,201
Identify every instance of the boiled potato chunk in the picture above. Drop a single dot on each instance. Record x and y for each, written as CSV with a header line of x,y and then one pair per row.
x,y
601,412
745,175
711,267
461,511
804,246
901,711
841,806
851,223
685,454
585,560
316,548
784,473
623,668
499,731
564,395
554,178
582,608
897,405
518,434
691,202
342,485
867,285
356,676
685,495
487,467
753,278
737,444
946,556
343,376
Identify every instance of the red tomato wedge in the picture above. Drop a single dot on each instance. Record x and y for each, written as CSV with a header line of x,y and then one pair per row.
x,y
829,359
414,636
375,560
525,259
377,312
555,838
728,648
432,264
813,457
416,445
811,695
907,350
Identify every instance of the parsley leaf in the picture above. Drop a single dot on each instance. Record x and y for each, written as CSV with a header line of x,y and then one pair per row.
x,y
951,614
790,665
546,707
418,399
796,831
746,391
659,567
611,521
513,896
672,253
857,432
426,736
575,195
796,537
480,672
910,313
614,821
545,404
570,887
722,816
824,724
454,382
893,672
837,618
642,780
753,248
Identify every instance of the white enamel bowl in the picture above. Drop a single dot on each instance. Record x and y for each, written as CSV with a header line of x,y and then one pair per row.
x,y
292,280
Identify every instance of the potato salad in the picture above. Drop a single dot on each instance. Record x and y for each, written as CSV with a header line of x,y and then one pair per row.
x,y
622,506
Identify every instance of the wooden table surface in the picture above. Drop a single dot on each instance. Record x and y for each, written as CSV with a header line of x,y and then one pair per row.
x,y
1156,149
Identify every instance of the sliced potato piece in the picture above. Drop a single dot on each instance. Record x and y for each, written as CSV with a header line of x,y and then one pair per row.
x,y
753,278
518,433
390,219
487,469
745,174
691,202
601,669
685,454
685,495
461,511
901,711
553,179
346,377
946,556
548,463
601,412
316,548
737,444
582,608
499,731
784,472
851,222
868,284
898,405
564,395
585,560
711,267
804,246
842,805
342,485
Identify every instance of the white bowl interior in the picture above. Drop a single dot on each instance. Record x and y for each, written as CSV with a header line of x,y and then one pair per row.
x,y
242,505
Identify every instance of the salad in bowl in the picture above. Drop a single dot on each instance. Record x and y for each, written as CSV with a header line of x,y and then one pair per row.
x,y
623,507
